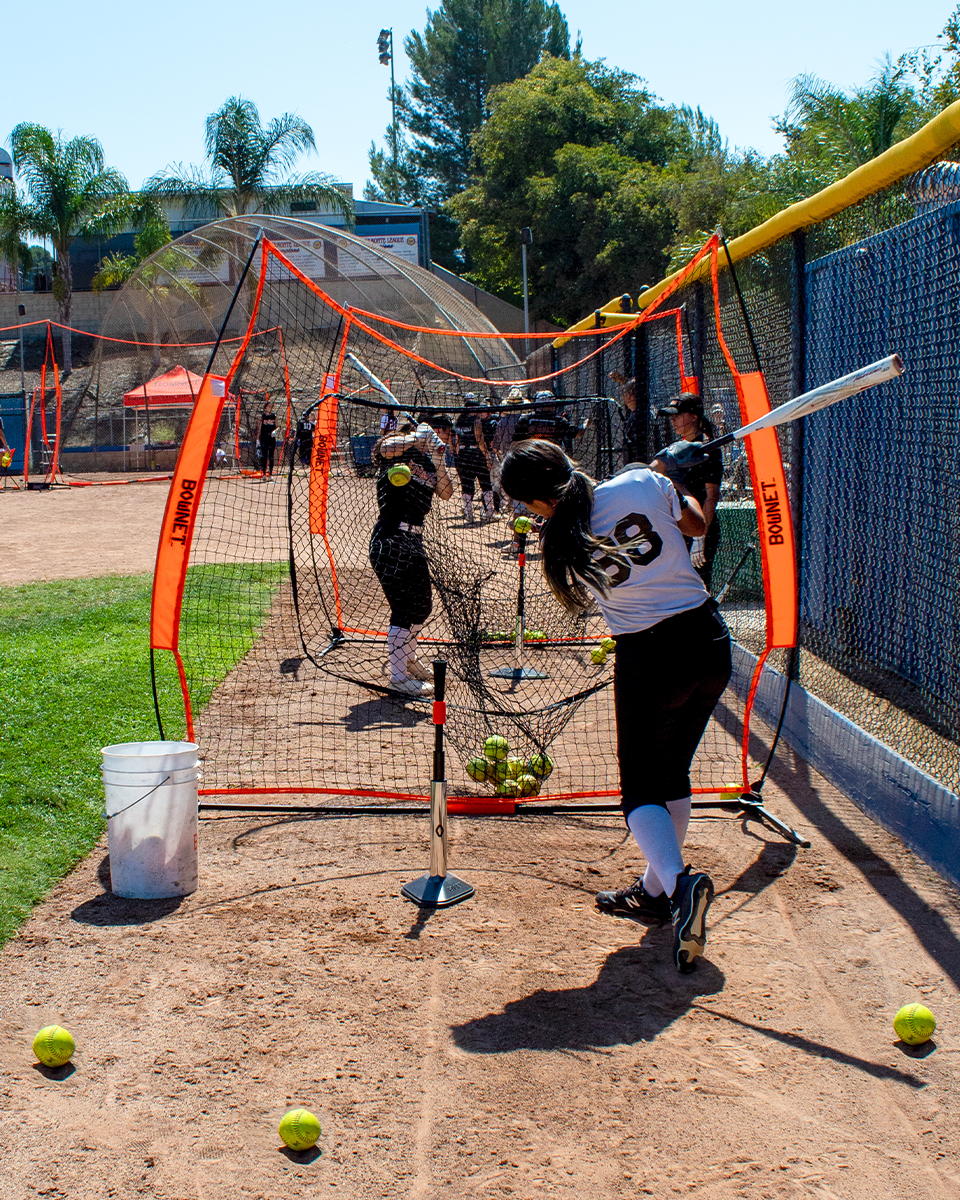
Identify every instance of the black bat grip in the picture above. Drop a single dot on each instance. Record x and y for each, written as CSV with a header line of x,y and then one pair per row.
x,y
717,443
439,678
439,717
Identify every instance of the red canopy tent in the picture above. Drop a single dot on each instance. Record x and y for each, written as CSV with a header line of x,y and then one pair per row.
x,y
178,388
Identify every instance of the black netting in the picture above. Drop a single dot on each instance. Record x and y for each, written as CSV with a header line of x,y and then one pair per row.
x,y
286,623
873,480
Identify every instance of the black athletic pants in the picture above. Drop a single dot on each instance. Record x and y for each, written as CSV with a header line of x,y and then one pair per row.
x,y
472,466
400,563
666,683
267,447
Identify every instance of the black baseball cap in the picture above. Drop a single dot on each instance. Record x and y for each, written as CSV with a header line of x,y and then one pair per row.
x,y
686,402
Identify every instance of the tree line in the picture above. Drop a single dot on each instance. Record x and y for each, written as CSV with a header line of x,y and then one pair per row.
x,y
503,126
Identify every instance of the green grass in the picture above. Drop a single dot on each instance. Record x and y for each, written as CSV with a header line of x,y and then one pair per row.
x,y
75,676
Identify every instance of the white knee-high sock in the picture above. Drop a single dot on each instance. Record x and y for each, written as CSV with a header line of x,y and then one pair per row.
x,y
468,507
488,503
652,826
412,641
399,651
679,811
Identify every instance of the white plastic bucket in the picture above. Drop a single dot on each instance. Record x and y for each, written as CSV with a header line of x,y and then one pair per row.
x,y
152,819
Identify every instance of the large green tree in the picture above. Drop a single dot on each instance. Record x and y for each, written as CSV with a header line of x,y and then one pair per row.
x,y
468,48
69,192
708,183
249,167
577,152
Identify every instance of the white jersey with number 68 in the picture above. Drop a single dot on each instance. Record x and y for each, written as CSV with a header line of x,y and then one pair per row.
x,y
656,581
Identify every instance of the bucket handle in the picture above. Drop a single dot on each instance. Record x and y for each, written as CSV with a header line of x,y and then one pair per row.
x,y
110,816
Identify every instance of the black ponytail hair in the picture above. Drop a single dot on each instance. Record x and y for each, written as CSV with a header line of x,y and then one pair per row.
x,y
539,470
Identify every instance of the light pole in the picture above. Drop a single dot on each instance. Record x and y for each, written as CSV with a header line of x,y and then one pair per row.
x,y
526,239
385,48
22,312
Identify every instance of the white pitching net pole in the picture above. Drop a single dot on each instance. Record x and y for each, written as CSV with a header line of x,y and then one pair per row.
x,y
371,378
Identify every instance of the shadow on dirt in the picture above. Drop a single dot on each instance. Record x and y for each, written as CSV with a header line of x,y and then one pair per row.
x,y
386,711
637,995
108,909
792,775
806,1045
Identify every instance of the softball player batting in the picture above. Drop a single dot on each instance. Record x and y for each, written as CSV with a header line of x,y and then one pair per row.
x,y
396,543
621,543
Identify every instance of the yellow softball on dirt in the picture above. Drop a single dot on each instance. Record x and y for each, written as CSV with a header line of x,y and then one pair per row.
x,y
496,747
399,475
598,655
54,1046
608,644
510,788
299,1129
529,785
914,1024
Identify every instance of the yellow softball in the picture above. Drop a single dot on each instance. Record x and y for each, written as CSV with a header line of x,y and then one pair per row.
x,y
54,1046
299,1129
914,1024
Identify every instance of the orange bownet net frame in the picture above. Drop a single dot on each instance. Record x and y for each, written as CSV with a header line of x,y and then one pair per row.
x,y
294,624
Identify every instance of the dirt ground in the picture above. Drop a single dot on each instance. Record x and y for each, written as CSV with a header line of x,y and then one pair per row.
x,y
80,532
517,1044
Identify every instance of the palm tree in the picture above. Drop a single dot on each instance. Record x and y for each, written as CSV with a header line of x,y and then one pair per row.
x,y
832,132
248,165
71,193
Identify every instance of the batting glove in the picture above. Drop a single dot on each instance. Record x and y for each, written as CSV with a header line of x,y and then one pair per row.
x,y
697,554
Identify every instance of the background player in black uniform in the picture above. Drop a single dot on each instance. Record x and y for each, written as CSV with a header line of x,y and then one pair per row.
x,y
546,424
266,438
396,544
472,456
700,476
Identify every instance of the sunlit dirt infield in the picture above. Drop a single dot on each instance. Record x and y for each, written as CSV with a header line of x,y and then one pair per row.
x,y
518,1044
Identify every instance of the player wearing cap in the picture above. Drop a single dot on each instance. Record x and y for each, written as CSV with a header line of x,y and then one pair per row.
x,y
396,543
472,457
700,474
621,543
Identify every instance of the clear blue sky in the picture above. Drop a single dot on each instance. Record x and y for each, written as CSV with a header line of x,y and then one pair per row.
x,y
142,79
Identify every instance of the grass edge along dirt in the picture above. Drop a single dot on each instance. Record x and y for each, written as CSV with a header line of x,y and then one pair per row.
x,y
75,676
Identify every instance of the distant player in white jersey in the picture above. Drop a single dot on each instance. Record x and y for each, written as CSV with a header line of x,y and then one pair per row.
x,y
621,543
